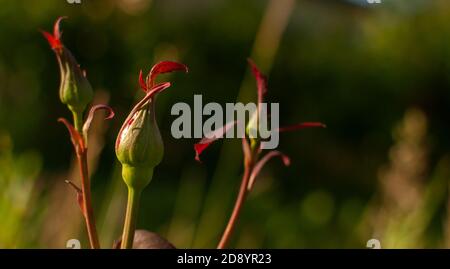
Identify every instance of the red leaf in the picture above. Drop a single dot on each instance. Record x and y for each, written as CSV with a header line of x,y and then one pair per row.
x,y
303,125
158,88
210,138
87,123
261,81
56,31
164,67
55,39
199,148
54,43
75,136
260,164
142,82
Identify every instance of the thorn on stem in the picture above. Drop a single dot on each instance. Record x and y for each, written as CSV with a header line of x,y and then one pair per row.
x,y
79,195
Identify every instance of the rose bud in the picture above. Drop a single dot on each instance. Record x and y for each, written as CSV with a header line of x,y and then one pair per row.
x,y
139,146
75,90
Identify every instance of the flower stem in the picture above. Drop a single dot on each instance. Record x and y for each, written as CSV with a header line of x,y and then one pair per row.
x,y
87,203
88,211
130,218
237,208
77,120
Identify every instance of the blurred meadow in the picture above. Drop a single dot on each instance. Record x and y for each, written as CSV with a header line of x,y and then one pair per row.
x,y
378,75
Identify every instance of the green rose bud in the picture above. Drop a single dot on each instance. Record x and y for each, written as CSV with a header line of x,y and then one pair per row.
x,y
75,90
139,147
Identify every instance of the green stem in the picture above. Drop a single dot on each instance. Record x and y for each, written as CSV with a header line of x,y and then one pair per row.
x,y
130,218
78,120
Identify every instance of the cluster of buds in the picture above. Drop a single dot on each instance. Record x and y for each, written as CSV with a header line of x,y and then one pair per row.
x,y
139,146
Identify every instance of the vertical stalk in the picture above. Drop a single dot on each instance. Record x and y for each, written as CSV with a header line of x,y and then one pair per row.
x,y
78,120
130,218
237,208
88,211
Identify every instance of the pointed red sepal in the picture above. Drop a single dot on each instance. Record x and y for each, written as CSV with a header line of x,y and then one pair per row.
x,y
164,67
199,148
158,88
302,125
261,80
54,43
55,39
142,82
260,164
56,30
87,123
79,196
210,138
75,136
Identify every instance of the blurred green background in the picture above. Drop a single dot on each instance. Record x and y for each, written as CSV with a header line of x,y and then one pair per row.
x,y
377,75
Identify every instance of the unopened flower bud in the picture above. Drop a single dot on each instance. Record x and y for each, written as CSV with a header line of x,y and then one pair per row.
x,y
75,90
139,147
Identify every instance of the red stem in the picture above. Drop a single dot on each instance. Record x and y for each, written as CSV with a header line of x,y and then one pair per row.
x,y
88,211
237,208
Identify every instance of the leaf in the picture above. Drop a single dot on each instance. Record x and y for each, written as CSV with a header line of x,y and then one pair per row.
x,y
210,138
158,88
54,39
164,67
56,29
75,136
303,125
261,81
87,123
260,164
142,82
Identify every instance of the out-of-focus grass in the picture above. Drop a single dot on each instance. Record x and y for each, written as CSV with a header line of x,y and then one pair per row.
x,y
18,193
408,204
